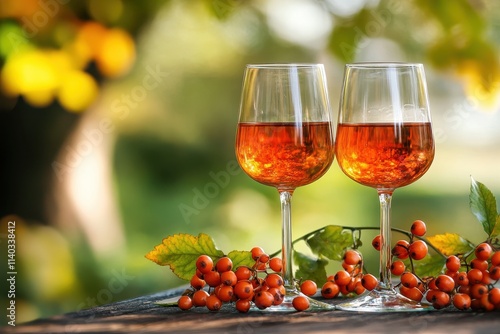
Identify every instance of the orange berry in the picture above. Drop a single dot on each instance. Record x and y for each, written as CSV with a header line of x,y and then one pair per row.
x,y
204,263
330,290
200,298
483,251
440,299
418,228
462,279
185,302
400,250
273,280
352,257
256,253
228,278
263,299
300,303
243,305
411,293
409,280
495,259
453,263
213,303
308,287
376,242
418,250
243,273
212,278
461,301
495,273
369,281
224,264
275,264
278,294
445,283
243,290
342,278
197,282
479,264
397,268
475,276
478,290
494,296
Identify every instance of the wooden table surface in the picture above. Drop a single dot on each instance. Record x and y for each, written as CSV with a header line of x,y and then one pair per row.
x,y
143,315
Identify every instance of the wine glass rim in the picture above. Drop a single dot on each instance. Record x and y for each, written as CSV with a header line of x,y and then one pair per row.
x,y
382,64
283,65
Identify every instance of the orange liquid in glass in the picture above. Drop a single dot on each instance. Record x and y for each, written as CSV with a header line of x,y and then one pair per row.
x,y
385,156
285,155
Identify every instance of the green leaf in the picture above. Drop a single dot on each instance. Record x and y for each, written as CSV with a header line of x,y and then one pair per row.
x,y
496,229
430,265
310,268
484,206
451,244
180,252
241,258
330,242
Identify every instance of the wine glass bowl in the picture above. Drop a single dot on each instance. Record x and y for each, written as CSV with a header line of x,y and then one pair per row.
x,y
384,141
285,140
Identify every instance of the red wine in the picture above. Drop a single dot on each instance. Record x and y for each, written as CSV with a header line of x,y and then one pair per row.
x,y
285,155
385,156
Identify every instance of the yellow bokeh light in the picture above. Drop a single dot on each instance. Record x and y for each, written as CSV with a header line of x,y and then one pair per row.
x,y
117,53
30,71
78,91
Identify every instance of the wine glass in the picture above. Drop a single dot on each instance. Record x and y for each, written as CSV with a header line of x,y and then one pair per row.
x,y
384,141
285,140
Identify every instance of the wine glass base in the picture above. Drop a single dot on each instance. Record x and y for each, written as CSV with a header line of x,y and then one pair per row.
x,y
287,306
379,301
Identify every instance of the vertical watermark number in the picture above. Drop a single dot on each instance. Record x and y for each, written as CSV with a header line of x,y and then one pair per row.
x,y
11,273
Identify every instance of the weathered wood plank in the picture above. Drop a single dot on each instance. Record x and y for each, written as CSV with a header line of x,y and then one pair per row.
x,y
143,315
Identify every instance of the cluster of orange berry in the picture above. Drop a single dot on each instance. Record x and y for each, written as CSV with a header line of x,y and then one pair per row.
x,y
260,285
350,279
471,288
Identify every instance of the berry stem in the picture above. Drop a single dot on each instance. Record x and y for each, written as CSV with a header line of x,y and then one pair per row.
x,y
353,229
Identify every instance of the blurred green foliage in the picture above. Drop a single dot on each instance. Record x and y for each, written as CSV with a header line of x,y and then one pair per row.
x,y
174,139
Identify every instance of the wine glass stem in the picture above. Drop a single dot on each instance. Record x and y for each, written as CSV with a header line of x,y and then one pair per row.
x,y
286,246
385,239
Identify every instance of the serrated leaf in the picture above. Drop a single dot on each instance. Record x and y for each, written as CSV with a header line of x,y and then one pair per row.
x,y
241,258
451,244
310,268
180,252
430,265
484,206
330,242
